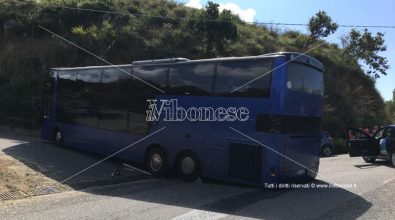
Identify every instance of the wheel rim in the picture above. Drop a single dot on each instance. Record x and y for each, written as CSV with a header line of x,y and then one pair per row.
x,y
58,136
156,162
188,165
393,159
327,151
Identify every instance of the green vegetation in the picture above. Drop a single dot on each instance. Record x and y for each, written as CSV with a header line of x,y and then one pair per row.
x,y
366,47
390,108
320,26
341,145
28,51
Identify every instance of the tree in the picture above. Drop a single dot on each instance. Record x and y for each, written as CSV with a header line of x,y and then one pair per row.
x,y
390,107
216,27
365,47
320,26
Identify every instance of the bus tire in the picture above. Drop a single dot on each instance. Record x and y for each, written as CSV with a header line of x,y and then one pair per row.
x,y
188,166
368,159
155,162
58,137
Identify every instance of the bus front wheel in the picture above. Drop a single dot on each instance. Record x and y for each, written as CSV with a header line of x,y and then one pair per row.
x,y
188,166
155,162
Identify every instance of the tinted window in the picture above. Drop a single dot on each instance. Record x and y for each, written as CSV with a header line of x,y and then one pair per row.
x,y
116,79
113,119
154,75
86,110
65,97
234,74
191,79
138,92
88,80
110,80
305,78
86,116
122,105
111,96
66,82
125,79
112,114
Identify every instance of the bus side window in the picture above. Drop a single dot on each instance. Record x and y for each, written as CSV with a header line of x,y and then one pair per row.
x,y
133,94
234,78
87,88
123,98
191,79
154,75
88,80
110,80
65,95
113,113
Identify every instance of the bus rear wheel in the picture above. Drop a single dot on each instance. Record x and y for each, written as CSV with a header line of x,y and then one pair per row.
x,y
58,137
155,162
188,166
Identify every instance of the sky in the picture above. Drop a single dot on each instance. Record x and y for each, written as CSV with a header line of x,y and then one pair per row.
x,y
348,12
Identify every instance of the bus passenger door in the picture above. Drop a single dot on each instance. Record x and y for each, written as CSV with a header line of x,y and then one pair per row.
x,y
362,144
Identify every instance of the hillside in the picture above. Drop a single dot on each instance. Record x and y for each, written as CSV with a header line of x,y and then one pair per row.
x,y
28,51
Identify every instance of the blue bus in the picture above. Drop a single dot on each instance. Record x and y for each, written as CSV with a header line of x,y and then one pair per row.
x,y
103,109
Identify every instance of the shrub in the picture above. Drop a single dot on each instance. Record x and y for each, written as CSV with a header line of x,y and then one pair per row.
x,y
341,145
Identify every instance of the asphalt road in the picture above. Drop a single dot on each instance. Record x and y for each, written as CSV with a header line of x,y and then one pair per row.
x,y
367,192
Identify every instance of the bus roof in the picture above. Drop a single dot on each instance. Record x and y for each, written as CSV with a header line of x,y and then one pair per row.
x,y
301,58
290,56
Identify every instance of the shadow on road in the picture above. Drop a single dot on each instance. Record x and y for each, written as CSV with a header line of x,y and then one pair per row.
x,y
59,163
373,165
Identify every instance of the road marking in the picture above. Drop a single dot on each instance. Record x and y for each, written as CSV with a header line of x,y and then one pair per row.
x,y
200,214
389,180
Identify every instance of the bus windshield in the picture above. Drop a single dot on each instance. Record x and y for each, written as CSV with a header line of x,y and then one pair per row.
x,y
305,78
